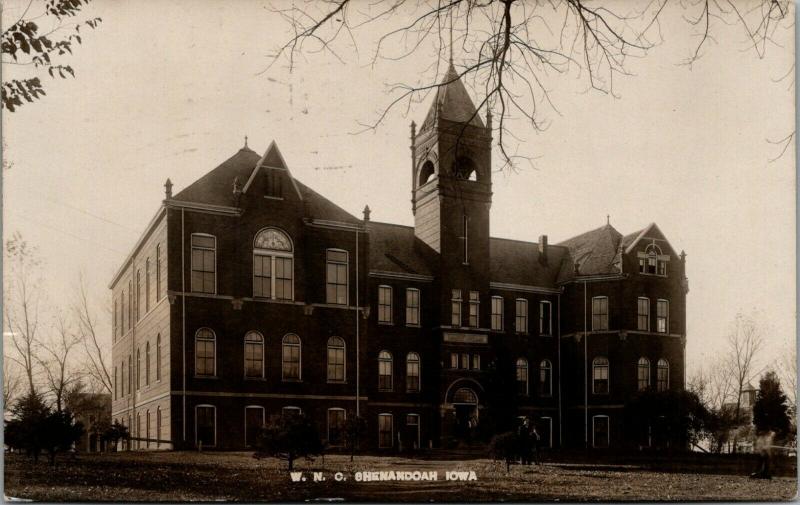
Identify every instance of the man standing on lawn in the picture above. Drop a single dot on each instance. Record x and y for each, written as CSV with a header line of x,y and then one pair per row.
x,y
524,437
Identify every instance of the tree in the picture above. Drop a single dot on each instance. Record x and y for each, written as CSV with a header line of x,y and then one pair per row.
x,y
24,430
11,382
508,48
59,432
114,432
59,373
289,437
672,418
96,351
745,342
505,447
770,412
25,44
21,305
354,429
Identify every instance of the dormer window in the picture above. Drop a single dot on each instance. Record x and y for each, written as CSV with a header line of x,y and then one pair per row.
x,y
652,261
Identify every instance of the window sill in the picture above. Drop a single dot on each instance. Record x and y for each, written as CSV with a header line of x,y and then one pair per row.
x,y
336,382
413,325
291,380
385,323
206,377
256,379
385,390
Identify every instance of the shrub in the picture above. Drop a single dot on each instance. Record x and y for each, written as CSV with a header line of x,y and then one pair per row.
x,y
289,437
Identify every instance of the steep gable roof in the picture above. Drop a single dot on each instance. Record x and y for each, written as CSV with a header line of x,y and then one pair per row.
x,y
216,187
452,102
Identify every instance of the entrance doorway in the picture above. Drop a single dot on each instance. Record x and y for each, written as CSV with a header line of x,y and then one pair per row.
x,y
465,402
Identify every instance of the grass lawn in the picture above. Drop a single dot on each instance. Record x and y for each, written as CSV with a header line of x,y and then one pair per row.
x,y
212,476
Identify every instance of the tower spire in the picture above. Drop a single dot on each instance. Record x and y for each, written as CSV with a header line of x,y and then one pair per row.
x,y
451,41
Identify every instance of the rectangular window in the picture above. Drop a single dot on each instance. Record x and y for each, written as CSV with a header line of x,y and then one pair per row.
x,y
385,304
262,276
204,263
476,361
643,311
412,307
385,437
283,278
465,361
521,316
336,427
412,423
336,276
600,432
474,308
545,318
204,360
599,313
455,305
453,360
206,426
336,361
412,375
497,313
662,268
662,316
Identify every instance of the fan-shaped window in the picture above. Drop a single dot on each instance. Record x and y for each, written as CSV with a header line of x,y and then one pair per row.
x,y
204,353
336,371
465,395
426,173
273,265
290,358
522,376
412,372
652,261
253,355
464,168
643,373
600,376
384,371
662,380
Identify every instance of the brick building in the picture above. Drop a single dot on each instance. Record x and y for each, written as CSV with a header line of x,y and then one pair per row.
x,y
251,295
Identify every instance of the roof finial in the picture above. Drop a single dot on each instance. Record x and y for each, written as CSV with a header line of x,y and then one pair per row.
x,y
608,219
168,189
245,141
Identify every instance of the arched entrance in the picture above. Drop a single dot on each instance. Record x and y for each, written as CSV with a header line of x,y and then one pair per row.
x,y
465,404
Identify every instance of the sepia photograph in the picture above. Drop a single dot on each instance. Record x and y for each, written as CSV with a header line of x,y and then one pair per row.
x,y
399,250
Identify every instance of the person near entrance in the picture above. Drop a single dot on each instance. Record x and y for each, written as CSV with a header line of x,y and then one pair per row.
x,y
524,437
535,440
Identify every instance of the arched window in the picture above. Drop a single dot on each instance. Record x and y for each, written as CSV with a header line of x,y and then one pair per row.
x,y
158,272
158,427
662,379
147,363
652,261
158,357
464,168
138,429
465,396
427,172
253,355
412,372
116,383
643,373
205,353
130,374
385,371
600,376
545,378
138,369
522,376
138,294
147,428
147,285
290,358
122,380
336,360
273,265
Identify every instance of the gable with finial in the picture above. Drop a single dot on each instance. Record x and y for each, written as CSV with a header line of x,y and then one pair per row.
x,y
272,177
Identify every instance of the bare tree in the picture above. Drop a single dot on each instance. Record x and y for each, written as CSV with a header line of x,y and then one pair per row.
x,y
96,352
714,385
509,48
786,365
58,364
11,382
21,306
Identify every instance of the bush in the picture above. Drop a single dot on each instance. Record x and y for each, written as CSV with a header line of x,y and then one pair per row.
x,y
289,437
35,428
504,446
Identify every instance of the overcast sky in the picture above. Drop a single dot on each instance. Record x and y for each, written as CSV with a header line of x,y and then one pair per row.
x,y
170,88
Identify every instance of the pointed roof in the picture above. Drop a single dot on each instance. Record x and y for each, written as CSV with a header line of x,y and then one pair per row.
x,y
215,187
596,251
272,159
452,103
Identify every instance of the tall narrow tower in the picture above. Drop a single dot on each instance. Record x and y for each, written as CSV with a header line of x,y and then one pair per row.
x,y
452,189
